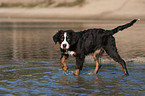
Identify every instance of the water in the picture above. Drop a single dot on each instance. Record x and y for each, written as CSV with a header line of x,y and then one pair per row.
x,y
29,61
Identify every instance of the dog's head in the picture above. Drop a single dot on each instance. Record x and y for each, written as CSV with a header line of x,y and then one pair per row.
x,y
65,38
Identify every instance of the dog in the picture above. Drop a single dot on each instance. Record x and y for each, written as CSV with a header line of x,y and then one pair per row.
x,y
96,41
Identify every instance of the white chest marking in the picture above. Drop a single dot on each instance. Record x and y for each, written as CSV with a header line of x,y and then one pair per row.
x,y
71,53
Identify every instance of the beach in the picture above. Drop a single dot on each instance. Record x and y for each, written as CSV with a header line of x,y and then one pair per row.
x,y
94,9
30,59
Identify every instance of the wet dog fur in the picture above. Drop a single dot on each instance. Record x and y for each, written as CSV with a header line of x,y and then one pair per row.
x,y
96,41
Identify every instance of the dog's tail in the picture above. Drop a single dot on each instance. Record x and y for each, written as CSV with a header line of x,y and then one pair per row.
x,y
122,27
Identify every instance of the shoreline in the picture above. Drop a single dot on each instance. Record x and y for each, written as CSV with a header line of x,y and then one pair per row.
x,y
91,10
55,20
45,17
30,19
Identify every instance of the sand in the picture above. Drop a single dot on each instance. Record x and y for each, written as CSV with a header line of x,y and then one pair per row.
x,y
92,9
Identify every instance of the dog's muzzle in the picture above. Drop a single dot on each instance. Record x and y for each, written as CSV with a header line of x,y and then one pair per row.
x,y
64,45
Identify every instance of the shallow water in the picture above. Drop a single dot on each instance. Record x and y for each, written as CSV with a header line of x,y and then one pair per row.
x,y
29,62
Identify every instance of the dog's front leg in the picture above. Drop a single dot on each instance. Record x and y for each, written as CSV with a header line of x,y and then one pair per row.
x,y
79,64
63,63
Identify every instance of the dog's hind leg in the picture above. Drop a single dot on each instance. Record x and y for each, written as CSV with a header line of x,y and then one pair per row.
x,y
97,58
111,50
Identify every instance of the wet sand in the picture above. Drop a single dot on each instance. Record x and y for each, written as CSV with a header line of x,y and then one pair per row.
x,y
100,9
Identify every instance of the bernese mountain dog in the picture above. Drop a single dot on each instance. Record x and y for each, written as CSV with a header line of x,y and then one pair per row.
x,y
96,41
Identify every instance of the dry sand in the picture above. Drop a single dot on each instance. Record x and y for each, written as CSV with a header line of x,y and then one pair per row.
x,y
92,9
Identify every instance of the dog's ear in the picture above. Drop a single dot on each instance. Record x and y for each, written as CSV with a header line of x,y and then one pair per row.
x,y
56,37
74,38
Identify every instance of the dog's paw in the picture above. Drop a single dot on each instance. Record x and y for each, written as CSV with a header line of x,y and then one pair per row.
x,y
91,73
76,73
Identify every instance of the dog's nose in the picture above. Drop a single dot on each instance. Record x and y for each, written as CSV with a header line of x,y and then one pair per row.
x,y
64,45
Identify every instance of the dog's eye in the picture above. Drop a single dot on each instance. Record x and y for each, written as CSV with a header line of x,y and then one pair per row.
x,y
67,37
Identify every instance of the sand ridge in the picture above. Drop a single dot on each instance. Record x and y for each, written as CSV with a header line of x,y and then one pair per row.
x,y
91,9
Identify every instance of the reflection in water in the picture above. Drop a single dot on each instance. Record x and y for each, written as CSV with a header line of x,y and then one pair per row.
x,y
14,45
33,41
29,61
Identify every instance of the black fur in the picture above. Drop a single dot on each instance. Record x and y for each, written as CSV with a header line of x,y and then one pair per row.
x,y
88,41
